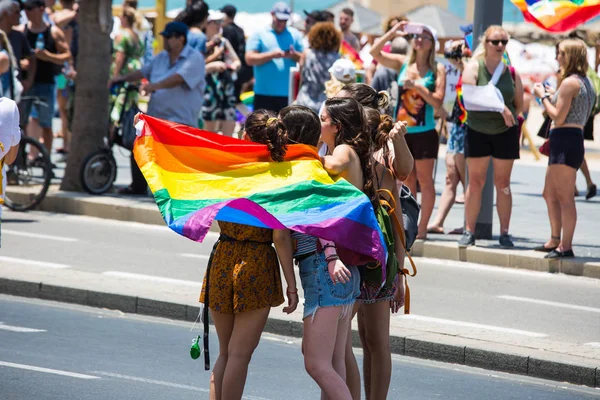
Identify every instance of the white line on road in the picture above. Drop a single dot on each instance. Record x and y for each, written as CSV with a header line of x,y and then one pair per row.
x,y
551,303
473,325
164,383
19,329
593,344
192,255
151,278
33,262
47,370
39,236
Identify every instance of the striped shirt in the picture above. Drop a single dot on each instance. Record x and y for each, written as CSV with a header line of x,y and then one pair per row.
x,y
303,243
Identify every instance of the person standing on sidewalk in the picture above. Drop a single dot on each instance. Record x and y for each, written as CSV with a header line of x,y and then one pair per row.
x,y
176,83
273,52
491,134
569,108
10,136
51,51
236,36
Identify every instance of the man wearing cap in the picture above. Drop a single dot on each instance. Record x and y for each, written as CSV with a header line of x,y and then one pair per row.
x,y
272,52
176,82
311,19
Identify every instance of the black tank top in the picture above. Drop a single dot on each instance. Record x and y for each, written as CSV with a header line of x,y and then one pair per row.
x,y
45,70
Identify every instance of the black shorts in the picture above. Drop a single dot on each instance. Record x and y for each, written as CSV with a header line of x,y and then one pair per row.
x,y
588,131
503,146
423,145
566,147
271,103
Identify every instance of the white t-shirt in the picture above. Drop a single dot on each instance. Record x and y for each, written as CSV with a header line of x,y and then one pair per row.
x,y
10,133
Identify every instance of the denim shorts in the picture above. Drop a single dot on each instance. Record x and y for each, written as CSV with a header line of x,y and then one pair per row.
x,y
456,139
321,291
43,95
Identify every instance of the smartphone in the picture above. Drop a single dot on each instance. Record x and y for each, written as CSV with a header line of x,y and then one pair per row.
x,y
413,28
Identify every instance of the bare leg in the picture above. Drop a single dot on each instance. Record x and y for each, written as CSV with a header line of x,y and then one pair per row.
x,y
352,370
425,178
247,329
320,334
62,111
411,181
377,335
564,176
477,172
459,160
586,173
48,138
211,126
227,127
224,326
553,211
502,171
448,196
366,353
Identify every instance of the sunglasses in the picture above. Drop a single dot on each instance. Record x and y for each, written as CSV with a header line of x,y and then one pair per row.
x,y
421,37
497,42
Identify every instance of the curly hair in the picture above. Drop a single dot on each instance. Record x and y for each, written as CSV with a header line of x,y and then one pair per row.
x,y
323,36
367,96
388,23
349,116
264,127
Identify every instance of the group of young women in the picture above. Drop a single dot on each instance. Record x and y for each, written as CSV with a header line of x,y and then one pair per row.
x,y
244,281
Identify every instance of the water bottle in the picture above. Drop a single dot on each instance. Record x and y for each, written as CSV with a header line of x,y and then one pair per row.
x,y
195,349
40,43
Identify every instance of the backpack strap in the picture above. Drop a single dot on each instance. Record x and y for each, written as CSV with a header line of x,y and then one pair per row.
x,y
398,226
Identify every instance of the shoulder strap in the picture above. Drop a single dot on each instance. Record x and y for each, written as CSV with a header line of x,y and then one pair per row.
x,y
497,73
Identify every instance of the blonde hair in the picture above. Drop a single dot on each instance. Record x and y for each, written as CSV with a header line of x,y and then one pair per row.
x,y
412,57
5,43
575,55
133,17
480,52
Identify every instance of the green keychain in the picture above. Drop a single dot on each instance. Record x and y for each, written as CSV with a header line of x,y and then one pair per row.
x,y
195,349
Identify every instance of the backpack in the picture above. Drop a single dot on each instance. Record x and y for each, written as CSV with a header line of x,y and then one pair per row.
x,y
595,80
388,222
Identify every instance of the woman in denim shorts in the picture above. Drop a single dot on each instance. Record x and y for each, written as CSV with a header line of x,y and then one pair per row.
x,y
330,287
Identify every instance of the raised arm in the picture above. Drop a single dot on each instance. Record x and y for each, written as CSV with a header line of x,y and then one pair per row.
x,y
393,61
566,93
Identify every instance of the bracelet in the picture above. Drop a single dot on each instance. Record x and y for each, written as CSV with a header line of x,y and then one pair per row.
x,y
288,291
333,257
546,97
329,246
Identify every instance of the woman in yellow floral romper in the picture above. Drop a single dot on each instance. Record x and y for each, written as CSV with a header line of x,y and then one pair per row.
x,y
243,277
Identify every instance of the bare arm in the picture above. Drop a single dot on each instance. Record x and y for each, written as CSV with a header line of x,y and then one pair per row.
x,y
519,94
339,161
566,93
403,158
469,76
63,17
64,54
254,58
393,61
232,58
283,244
435,98
130,77
4,62
11,155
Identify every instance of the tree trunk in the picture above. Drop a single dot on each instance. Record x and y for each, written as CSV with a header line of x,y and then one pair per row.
x,y
90,121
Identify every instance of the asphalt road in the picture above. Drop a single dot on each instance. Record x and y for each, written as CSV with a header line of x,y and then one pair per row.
x,y
558,307
74,352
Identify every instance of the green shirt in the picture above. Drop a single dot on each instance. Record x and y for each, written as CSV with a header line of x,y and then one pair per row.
x,y
491,122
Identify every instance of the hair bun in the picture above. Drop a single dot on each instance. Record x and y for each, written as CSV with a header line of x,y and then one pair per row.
x,y
383,100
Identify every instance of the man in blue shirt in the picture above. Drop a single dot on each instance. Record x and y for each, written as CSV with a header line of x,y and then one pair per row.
x,y
272,52
176,82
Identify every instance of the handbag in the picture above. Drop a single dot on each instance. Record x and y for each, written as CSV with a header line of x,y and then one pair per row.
x,y
410,216
486,97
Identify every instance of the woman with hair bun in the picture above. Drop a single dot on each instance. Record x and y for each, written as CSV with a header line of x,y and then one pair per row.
x,y
243,281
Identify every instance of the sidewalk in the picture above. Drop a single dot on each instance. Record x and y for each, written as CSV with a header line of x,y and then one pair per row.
x,y
505,351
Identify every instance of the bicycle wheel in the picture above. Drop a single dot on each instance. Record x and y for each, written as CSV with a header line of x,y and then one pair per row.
x,y
98,172
31,173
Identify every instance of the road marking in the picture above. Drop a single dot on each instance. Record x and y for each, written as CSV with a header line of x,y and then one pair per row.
x,y
164,383
551,303
19,329
192,255
593,344
473,325
151,278
47,370
34,263
40,236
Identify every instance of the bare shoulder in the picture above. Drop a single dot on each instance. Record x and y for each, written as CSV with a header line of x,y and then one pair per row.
x,y
56,32
570,84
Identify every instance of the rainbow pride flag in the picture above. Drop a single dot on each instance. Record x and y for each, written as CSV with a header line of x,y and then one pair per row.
x,y
198,176
558,15
347,51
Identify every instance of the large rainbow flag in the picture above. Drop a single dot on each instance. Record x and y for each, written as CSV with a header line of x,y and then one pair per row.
x,y
558,15
198,176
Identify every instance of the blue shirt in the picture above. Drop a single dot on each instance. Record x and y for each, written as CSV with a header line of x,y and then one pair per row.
x,y
197,41
273,77
183,103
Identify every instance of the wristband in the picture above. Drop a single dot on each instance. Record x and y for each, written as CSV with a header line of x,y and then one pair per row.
x,y
288,291
333,257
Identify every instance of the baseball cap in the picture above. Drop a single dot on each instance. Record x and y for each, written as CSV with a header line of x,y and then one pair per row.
x,y
175,27
281,11
432,31
229,10
214,15
31,4
343,70
316,15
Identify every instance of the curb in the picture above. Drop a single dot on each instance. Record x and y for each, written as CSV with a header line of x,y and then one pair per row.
x,y
535,365
132,210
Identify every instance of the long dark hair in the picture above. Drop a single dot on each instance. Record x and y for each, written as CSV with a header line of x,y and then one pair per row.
x,y
367,96
302,124
194,14
349,116
264,127
380,126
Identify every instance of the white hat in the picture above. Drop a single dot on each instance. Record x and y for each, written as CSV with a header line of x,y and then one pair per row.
x,y
343,70
214,15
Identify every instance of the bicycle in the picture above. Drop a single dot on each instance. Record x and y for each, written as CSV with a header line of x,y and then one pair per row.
x,y
99,169
31,170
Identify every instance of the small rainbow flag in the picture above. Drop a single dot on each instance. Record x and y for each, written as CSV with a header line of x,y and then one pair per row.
x,y
558,15
198,176
461,104
347,51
